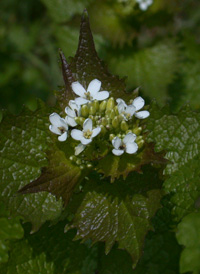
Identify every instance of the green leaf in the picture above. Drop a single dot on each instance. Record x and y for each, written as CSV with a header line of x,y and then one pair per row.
x,y
116,212
68,256
188,235
185,186
59,178
179,136
23,141
146,68
62,11
23,261
121,166
10,229
161,254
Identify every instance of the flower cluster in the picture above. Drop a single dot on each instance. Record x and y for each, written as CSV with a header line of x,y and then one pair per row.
x,y
94,115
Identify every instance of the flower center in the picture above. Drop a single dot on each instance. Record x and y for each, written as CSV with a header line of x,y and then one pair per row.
x,y
62,130
123,146
88,96
87,134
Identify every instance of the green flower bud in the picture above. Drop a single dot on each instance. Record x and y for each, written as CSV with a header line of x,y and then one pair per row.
x,y
139,138
78,162
111,137
110,103
92,110
121,117
140,143
137,130
84,111
124,126
116,110
115,122
102,106
112,114
108,121
96,105
107,112
82,166
103,129
72,158
104,121
79,120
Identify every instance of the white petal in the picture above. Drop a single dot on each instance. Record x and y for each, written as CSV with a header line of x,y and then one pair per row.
x,y
87,125
121,108
117,152
70,112
116,142
63,124
78,89
138,103
94,86
129,138
77,134
131,148
54,129
102,95
85,141
95,132
142,114
73,105
70,121
63,137
81,101
55,119
121,101
143,6
79,149
130,110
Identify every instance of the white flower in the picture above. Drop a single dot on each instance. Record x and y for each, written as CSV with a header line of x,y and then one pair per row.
x,y
127,144
73,111
138,103
126,111
144,4
79,149
130,110
87,134
59,126
93,92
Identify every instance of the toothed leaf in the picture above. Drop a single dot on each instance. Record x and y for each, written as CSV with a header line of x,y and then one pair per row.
x,y
117,214
23,142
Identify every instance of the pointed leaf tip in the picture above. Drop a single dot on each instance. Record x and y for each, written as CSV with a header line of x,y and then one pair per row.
x,y
85,14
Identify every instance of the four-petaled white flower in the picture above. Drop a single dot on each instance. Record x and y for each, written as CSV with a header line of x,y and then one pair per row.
x,y
138,103
93,92
130,110
126,111
144,4
59,126
86,135
127,145
73,111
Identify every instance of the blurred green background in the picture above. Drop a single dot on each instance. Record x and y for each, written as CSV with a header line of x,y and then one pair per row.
x,y
157,46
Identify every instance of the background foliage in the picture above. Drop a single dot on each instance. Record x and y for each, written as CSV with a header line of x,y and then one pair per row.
x,y
159,51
